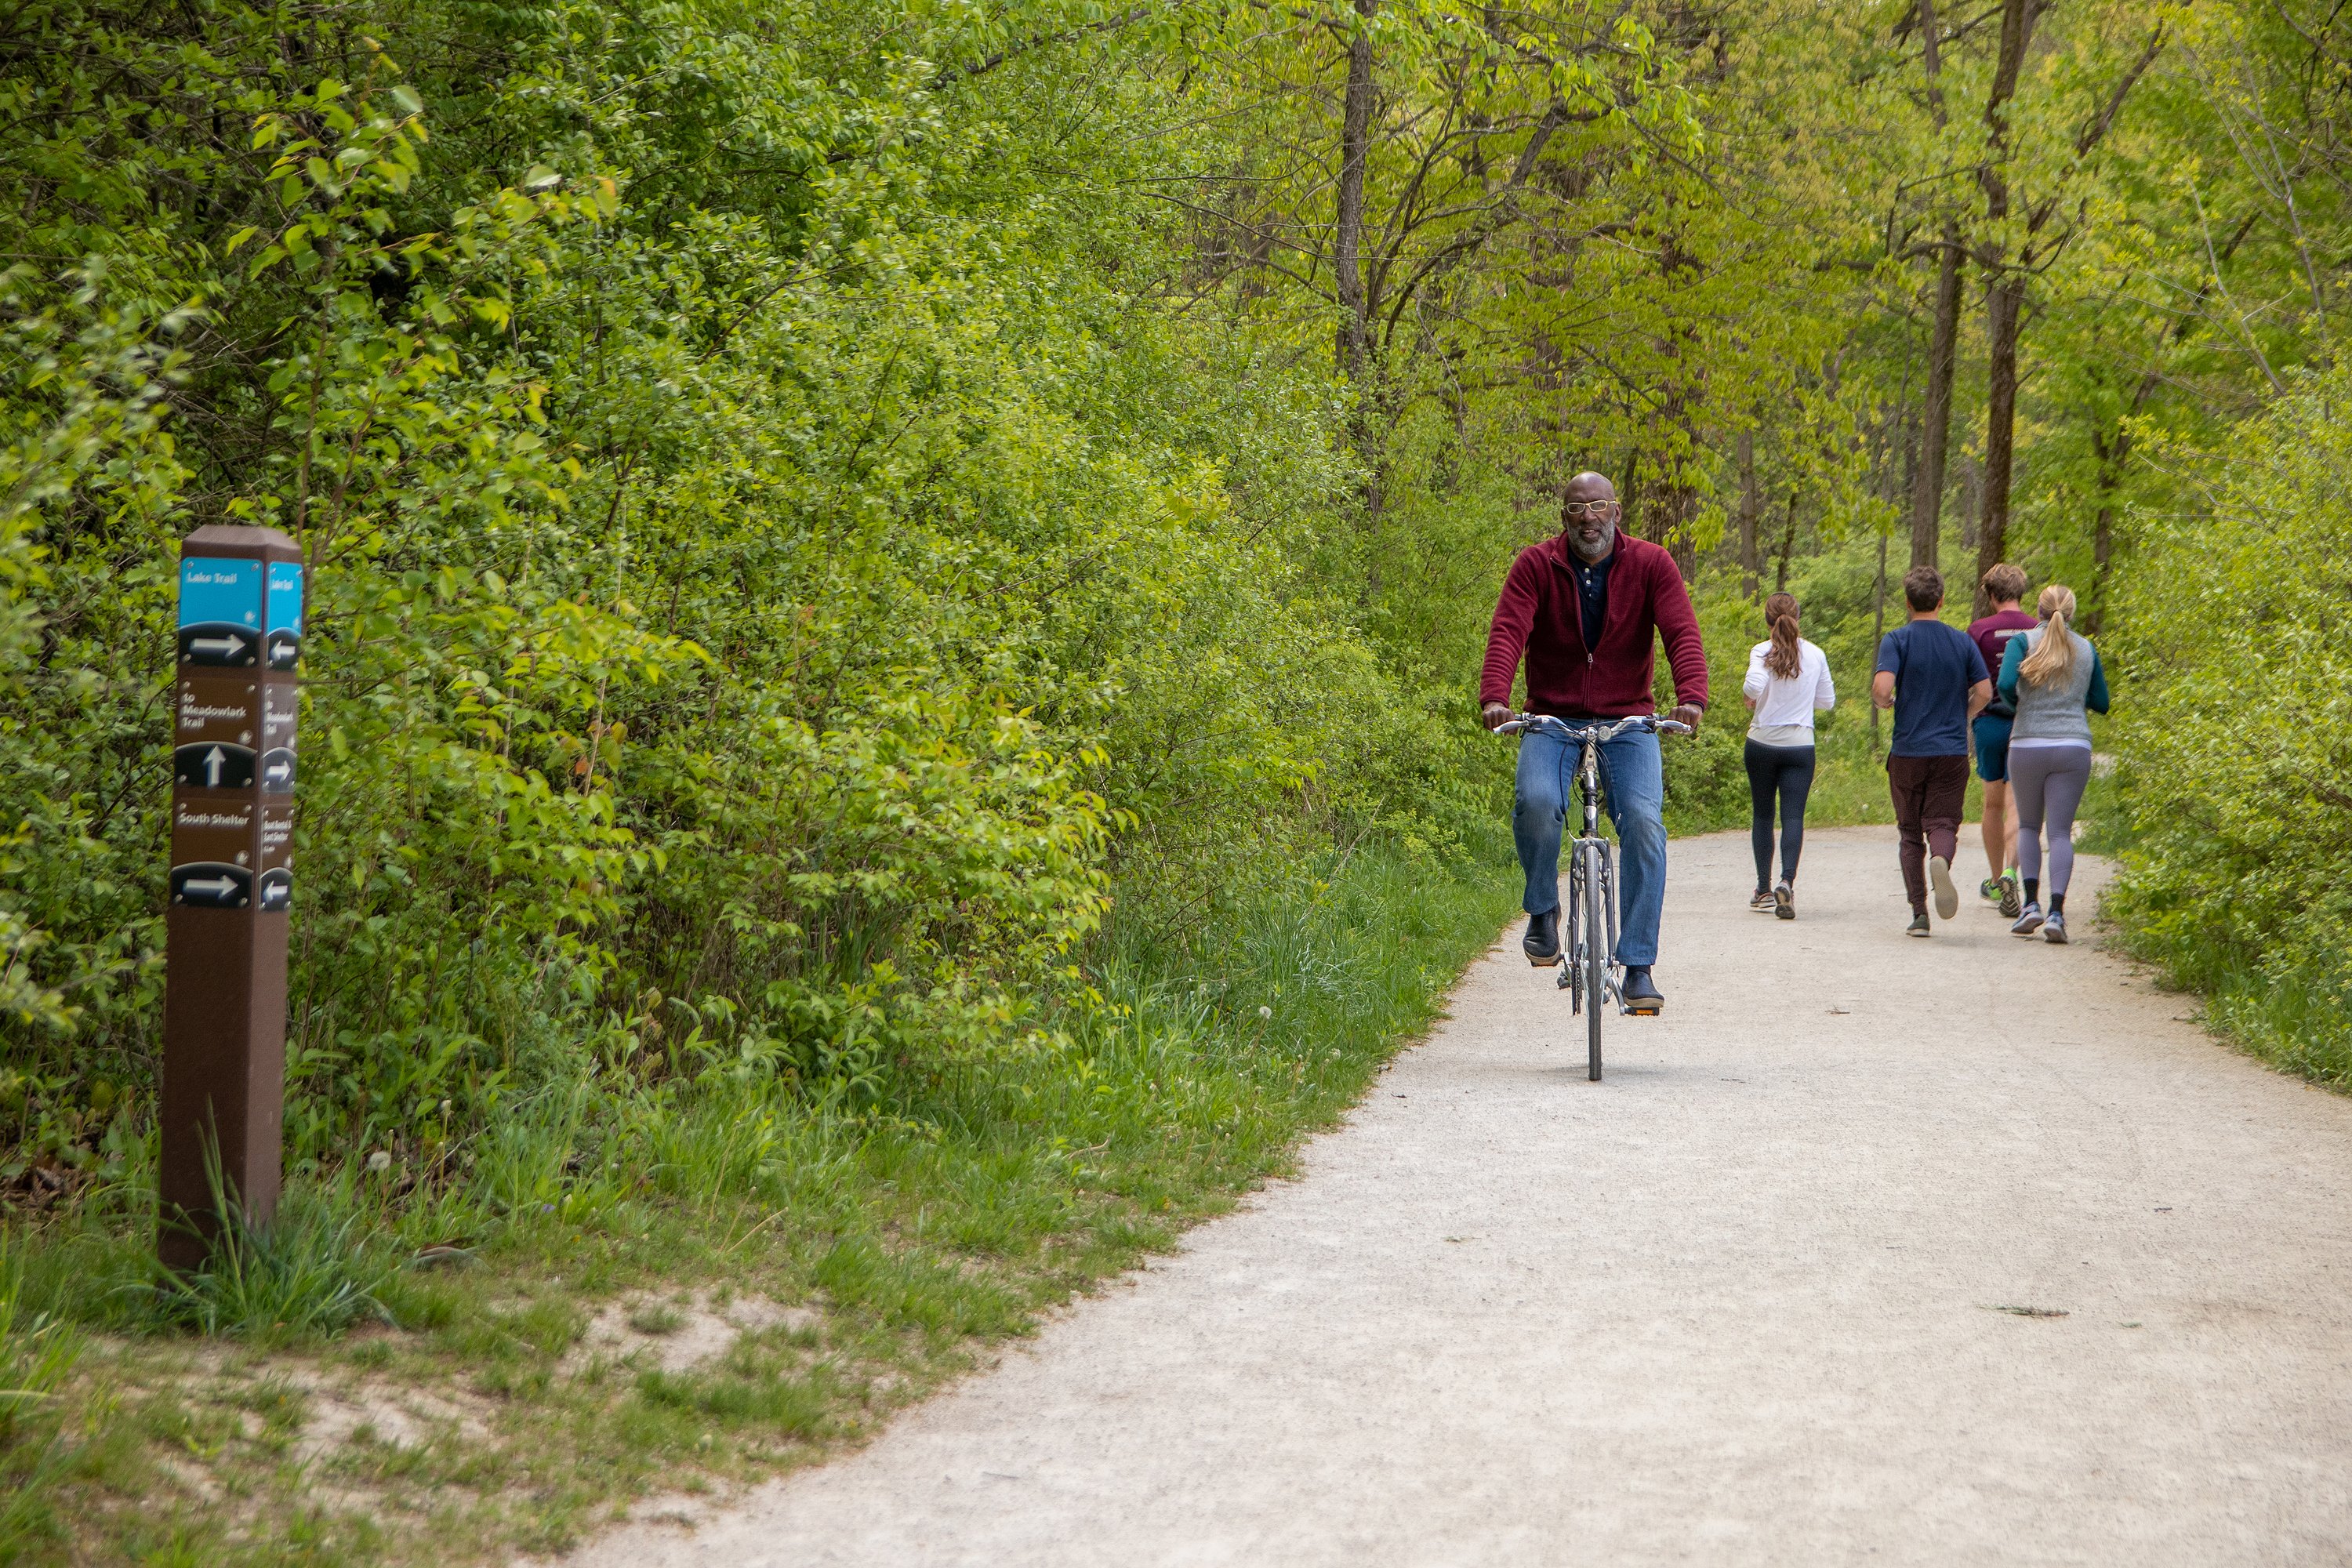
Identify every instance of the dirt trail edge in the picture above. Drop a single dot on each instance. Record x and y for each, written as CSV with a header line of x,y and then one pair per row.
x,y
1785,1289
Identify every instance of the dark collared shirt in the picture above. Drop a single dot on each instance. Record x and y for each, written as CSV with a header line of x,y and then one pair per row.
x,y
1592,592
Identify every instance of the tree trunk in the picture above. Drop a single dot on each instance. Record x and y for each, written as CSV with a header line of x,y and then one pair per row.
x,y
1943,364
2004,304
1943,348
1676,505
1629,492
1878,590
1751,563
1878,628
1677,497
2113,452
1347,242
2004,294
2102,549
1788,547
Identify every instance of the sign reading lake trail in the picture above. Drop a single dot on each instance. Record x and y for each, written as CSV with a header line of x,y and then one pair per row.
x,y
221,610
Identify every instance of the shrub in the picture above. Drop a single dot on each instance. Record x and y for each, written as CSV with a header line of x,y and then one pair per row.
x,y
2234,753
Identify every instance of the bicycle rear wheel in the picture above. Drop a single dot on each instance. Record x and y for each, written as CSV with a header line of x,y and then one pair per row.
x,y
1595,955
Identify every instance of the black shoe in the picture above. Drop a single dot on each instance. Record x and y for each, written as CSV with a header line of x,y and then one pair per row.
x,y
1542,940
1919,926
1641,993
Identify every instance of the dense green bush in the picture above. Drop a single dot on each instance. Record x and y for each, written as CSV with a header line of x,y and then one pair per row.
x,y
777,575
2235,751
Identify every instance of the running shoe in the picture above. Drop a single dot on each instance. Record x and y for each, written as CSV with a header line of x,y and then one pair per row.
x,y
1784,902
2013,901
1990,890
2028,923
2055,928
1947,897
1919,926
1763,900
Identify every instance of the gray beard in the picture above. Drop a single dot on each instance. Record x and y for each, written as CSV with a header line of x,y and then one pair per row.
x,y
1600,551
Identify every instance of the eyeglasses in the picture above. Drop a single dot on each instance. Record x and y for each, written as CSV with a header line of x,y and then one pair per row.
x,y
1582,512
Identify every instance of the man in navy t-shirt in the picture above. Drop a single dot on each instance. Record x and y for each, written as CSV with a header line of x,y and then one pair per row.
x,y
1934,679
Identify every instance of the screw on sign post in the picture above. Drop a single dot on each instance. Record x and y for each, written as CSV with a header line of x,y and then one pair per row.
x,y
231,882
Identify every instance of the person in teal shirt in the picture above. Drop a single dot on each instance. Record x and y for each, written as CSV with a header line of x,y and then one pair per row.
x,y
2004,584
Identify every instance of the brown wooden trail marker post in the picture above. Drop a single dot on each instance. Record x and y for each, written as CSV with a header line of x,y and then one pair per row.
x,y
231,882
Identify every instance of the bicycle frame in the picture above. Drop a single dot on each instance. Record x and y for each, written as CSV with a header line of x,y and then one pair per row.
x,y
1603,858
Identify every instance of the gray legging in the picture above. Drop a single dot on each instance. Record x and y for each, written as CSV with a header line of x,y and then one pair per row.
x,y
2047,782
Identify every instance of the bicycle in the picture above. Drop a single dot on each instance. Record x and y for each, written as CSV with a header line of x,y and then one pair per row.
x,y
1592,974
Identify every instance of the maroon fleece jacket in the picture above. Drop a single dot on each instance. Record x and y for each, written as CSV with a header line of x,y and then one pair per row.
x,y
1538,615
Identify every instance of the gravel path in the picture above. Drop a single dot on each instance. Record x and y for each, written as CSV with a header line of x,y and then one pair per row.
x,y
1748,1301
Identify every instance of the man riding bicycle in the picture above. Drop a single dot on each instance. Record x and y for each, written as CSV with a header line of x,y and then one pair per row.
x,y
1584,608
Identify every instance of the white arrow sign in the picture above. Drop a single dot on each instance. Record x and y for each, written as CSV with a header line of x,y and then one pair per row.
x,y
213,759
278,772
215,645
219,887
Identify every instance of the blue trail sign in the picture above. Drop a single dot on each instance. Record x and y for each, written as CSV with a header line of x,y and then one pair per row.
x,y
231,882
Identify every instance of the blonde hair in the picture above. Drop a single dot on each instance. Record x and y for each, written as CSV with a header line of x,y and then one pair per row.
x,y
2052,658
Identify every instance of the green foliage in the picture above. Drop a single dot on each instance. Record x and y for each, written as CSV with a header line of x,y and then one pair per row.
x,y
2235,756
775,571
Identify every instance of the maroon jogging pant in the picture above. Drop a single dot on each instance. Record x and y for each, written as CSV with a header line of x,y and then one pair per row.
x,y
1930,794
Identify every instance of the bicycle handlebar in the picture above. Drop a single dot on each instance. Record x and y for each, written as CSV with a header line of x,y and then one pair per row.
x,y
1545,724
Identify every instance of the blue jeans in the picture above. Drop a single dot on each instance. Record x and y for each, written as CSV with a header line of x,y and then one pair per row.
x,y
1636,798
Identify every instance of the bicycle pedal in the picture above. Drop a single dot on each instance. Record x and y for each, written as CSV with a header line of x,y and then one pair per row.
x,y
1535,963
1643,1010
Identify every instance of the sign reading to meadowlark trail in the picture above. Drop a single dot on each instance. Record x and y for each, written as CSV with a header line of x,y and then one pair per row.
x,y
232,883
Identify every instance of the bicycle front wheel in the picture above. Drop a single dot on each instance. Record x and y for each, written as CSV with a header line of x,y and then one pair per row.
x,y
1595,955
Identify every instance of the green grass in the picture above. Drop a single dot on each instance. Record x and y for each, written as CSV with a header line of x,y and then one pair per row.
x,y
255,1417
2295,1026
312,1271
37,1355
2293,1019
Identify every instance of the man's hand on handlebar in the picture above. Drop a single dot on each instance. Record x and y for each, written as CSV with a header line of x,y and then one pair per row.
x,y
1496,715
1688,714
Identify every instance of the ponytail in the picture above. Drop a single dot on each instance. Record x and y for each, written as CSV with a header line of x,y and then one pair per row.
x,y
2052,657
1781,613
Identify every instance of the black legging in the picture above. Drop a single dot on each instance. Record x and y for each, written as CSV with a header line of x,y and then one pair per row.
x,y
1790,770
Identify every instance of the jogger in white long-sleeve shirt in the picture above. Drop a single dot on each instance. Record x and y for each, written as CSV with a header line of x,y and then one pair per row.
x,y
1788,682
